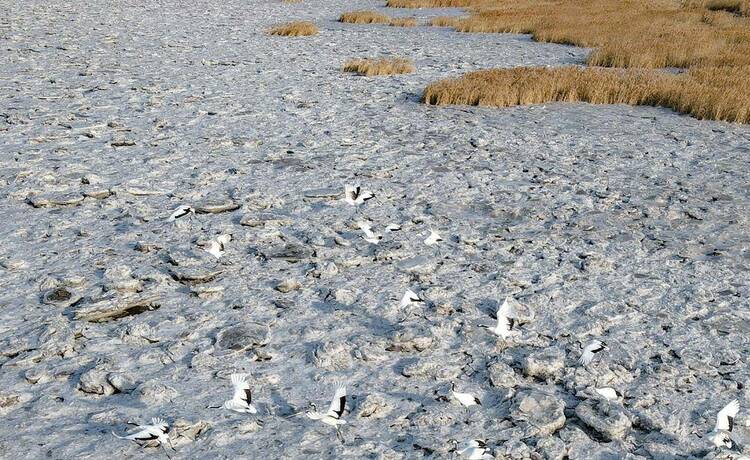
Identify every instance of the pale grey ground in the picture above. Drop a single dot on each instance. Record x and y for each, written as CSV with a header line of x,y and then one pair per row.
x,y
620,223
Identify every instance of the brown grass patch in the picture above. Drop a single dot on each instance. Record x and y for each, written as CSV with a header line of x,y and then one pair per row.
x,y
698,35
295,29
374,67
741,7
429,3
365,17
693,92
403,22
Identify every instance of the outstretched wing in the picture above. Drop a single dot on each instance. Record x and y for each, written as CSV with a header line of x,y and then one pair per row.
x,y
339,403
507,309
725,417
241,388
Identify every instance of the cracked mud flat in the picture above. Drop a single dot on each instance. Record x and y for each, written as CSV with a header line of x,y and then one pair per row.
x,y
625,224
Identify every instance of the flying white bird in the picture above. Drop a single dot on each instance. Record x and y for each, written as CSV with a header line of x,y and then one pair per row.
x,y
335,411
409,298
466,399
608,393
157,431
370,236
181,211
433,239
217,247
473,449
506,319
721,436
595,346
242,399
392,228
354,195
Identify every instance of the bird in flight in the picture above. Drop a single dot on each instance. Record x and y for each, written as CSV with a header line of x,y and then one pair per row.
x,y
721,435
433,239
409,298
506,319
157,432
217,247
370,236
473,449
242,398
354,195
594,347
181,211
335,411
466,399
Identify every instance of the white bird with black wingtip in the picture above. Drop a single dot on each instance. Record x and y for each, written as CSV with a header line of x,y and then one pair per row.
x,y
506,319
335,411
242,397
721,435
370,236
473,449
157,432
465,399
433,238
180,212
354,195
593,347
218,246
410,297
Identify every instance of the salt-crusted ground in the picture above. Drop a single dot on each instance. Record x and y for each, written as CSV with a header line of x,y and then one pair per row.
x,y
625,224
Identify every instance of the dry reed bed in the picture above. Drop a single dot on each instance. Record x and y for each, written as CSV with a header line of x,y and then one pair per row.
x,y
690,93
376,67
295,29
373,17
639,34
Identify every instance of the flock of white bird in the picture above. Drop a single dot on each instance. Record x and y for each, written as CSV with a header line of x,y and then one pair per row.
x,y
157,432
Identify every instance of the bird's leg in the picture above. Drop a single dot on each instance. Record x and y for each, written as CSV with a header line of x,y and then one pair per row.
x,y
340,435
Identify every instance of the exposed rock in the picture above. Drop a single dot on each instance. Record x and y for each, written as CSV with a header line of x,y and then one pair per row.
x,y
243,336
95,381
545,364
120,279
121,382
291,253
551,448
428,368
216,206
208,292
543,412
112,308
191,276
60,296
408,341
332,356
375,405
265,219
186,432
607,419
153,393
44,200
502,375
288,286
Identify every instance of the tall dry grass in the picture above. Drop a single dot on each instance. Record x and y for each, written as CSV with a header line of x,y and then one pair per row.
x,y
373,17
403,22
365,17
741,7
376,67
635,34
294,29
693,92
